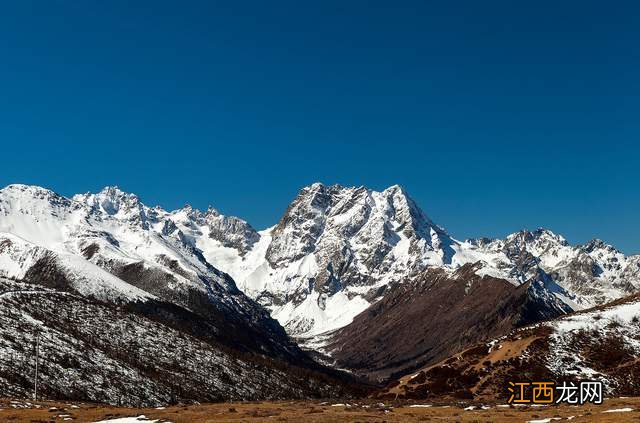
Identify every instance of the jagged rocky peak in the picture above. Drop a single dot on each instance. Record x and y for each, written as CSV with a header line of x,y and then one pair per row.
x,y
356,236
112,201
541,245
605,258
350,216
539,238
596,245
231,231
191,212
482,242
538,242
405,211
303,222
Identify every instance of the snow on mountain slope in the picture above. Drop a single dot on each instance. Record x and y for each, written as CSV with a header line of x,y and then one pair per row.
x,y
335,251
114,248
38,215
19,258
111,229
589,274
617,325
331,254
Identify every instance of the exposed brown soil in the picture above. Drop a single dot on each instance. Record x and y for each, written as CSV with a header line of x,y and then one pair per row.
x,y
317,411
480,372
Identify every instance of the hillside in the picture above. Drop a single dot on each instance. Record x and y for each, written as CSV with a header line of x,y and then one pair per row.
x,y
94,351
602,344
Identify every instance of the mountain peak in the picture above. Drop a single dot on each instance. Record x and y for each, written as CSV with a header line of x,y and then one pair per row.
x,y
597,244
28,193
20,187
212,211
112,201
335,240
114,192
28,189
396,188
538,235
316,186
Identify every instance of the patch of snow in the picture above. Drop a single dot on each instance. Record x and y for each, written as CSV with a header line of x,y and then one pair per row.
x,y
619,410
141,418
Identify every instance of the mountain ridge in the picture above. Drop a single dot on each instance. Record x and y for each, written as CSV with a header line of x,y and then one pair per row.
x,y
337,249
116,252
342,269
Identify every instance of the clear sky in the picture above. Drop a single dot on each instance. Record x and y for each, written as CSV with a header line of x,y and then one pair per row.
x,y
495,116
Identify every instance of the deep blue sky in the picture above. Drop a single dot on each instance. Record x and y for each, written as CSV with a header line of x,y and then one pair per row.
x,y
495,116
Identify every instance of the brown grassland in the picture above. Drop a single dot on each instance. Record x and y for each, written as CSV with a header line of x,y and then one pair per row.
x,y
318,411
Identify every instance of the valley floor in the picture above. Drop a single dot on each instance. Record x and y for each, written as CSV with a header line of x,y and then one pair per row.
x,y
613,410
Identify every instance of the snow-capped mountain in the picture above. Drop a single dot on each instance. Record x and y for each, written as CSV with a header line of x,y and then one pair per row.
x,y
23,260
335,251
111,247
586,275
117,291
332,254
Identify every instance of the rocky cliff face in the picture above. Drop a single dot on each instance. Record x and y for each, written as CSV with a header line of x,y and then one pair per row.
x,y
334,252
357,235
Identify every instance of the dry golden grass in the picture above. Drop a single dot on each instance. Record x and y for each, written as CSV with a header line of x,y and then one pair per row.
x,y
317,411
